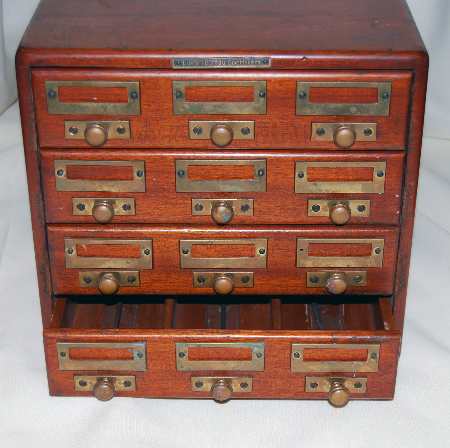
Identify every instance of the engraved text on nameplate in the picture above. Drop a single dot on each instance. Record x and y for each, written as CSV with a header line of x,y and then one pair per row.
x,y
222,62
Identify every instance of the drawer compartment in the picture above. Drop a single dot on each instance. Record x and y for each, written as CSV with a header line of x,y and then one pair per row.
x,y
252,188
278,109
250,347
212,261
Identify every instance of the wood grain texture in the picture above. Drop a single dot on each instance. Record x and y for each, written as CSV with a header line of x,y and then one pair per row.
x,y
278,205
279,128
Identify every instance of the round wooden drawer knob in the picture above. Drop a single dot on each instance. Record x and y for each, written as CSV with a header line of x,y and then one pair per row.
x,y
340,214
96,135
108,284
104,389
338,396
222,213
336,284
221,135
223,285
221,391
344,137
103,212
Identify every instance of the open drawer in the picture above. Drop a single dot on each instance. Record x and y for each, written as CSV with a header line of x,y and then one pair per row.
x,y
261,348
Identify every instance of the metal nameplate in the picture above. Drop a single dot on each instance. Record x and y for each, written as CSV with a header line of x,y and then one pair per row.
x,y
183,107
322,384
324,132
322,207
129,279
186,185
222,62
137,361
136,185
255,364
242,130
86,383
206,383
241,207
376,185
116,130
121,206
207,279
57,107
259,260
298,364
306,107
319,279
374,260
74,261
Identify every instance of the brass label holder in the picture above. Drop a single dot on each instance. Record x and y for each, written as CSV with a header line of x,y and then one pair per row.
x,y
186,185
206,383
322,384
256,364
137,361
121,206
259,260
241,207
207,279
298,364
376,185
136,185
375,260
90,279
380,108
86,383
319,279
74,261
324,132
117,130
56,107
242,130
183,107
322,207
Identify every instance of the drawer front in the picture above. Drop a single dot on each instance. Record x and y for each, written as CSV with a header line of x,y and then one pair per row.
x,y
162,260
181,188
144,109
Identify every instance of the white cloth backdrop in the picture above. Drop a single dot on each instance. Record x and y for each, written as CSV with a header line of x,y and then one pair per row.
x,y
418,417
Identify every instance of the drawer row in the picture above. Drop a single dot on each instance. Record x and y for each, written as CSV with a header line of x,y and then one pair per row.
x,y
250,187
151,109
132,260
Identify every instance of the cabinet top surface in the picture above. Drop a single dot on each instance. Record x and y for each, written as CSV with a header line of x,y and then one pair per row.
x,y
190,26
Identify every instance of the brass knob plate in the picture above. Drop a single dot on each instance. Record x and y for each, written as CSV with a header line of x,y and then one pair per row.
x,y
128,279
121,206
87,383
323,207
208,279
238,385
319,279
114,130
326,132
241,130
205,207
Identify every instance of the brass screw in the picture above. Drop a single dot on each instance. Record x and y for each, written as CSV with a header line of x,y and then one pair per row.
x,y
374,355
357,385
52,93
181,355
139,355
357,279
262,251
378,250
245,131
296,355
313,385
261,173
245,279
127,383
197,130
178,94
82,383
302,95
245,208
60,173
320,131
243,385
73,130
121,130
262,94
62,354
81,207
361,208
259,355
126,207
70,251
185,251
139,173
198,207
385,95
368,132
181,173
147,252
134,95
87,280
131,279
201,280
315,208
314,279
300,174
199,384
380,173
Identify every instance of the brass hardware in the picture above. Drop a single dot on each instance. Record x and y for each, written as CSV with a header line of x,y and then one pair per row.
x,y
304,260
336,283
344,134
183,107
96,133
303,185
320,279
104,388
259,260
210,280
185,185
93,279
55,106
222,211
338,389
137,351
339,211
137,185
222,62
74,261
221,388
256,364
108,283
380,108
222,132
369,365
103,209
223,285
